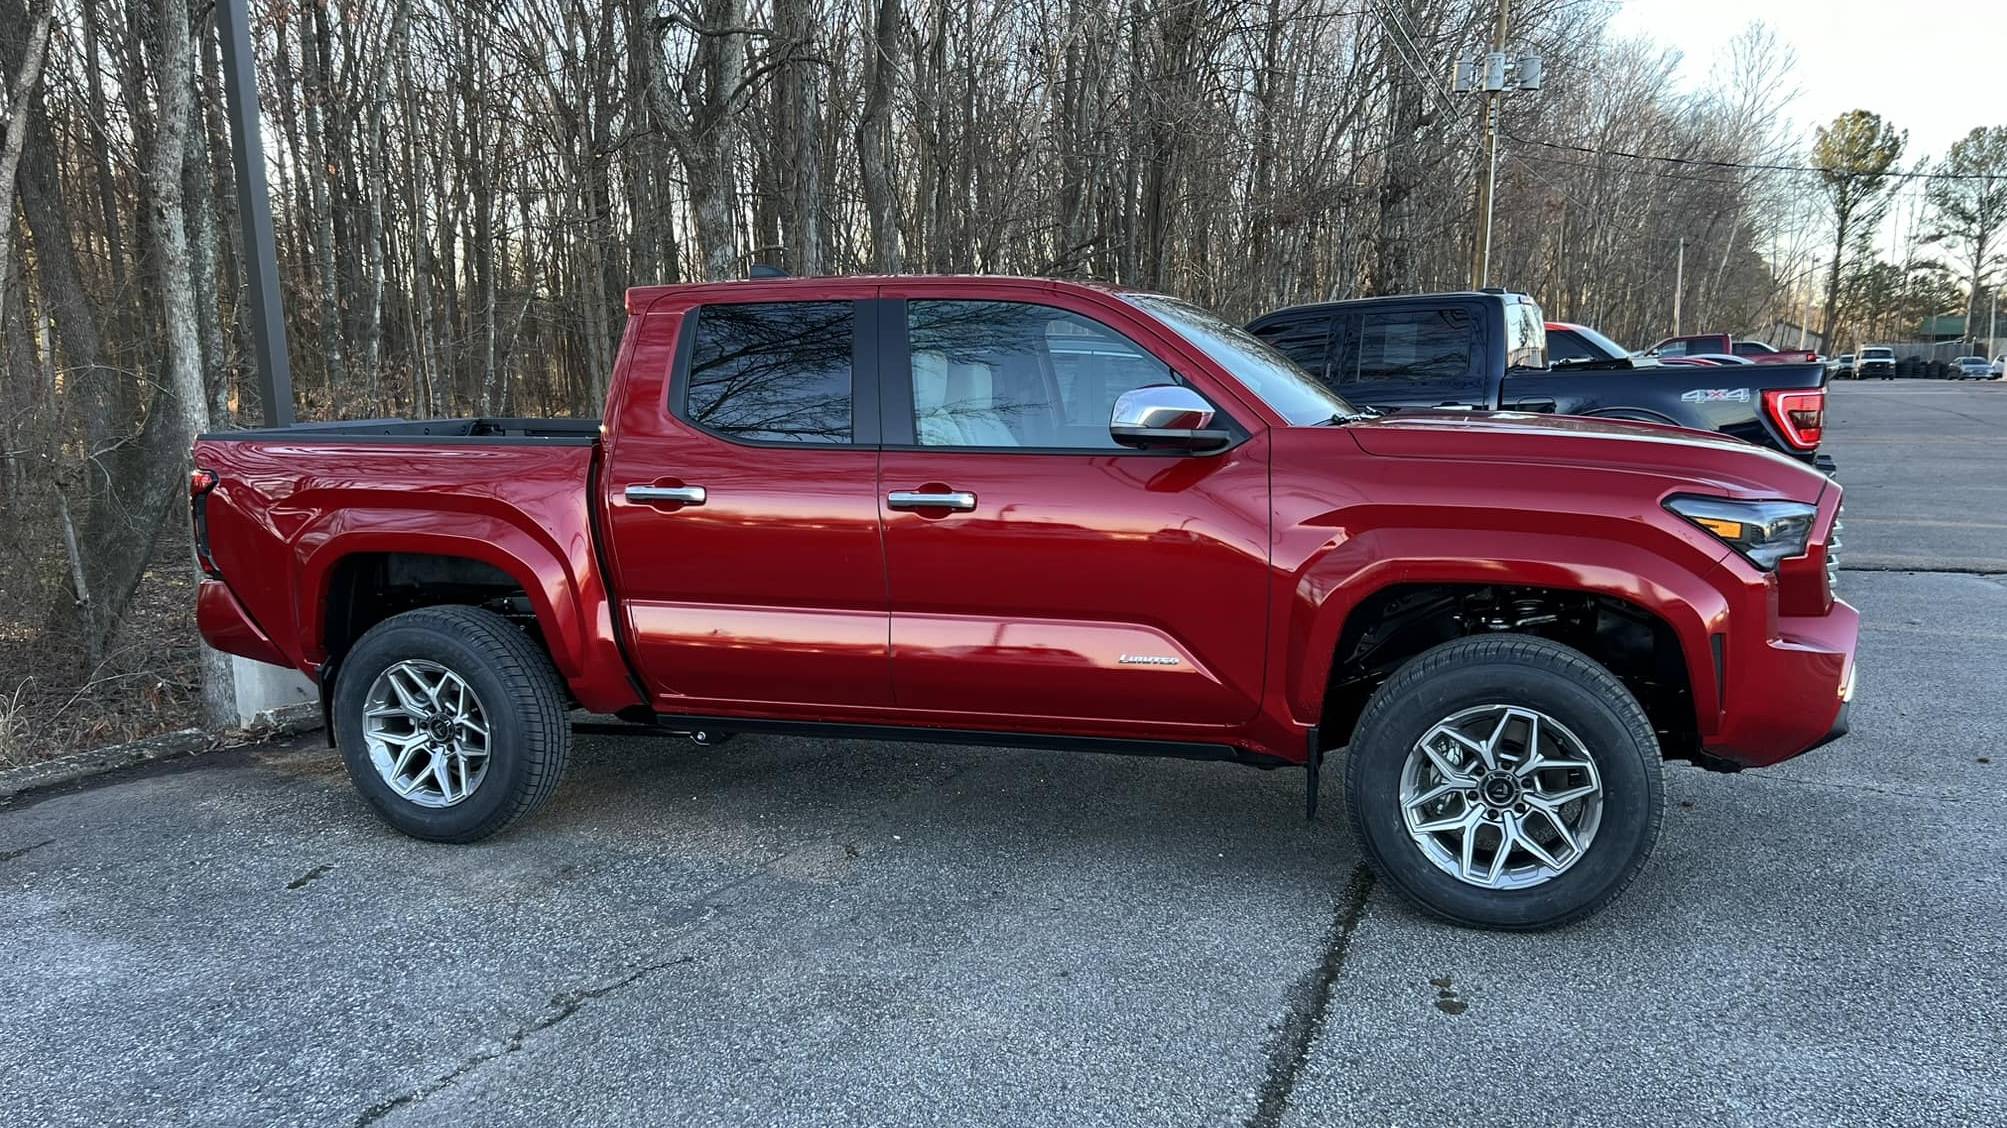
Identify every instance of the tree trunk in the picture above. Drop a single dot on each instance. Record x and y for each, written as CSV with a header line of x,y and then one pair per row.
x,y
174,67
19,91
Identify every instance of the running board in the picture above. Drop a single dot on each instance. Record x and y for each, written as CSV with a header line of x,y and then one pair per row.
x,y
676,724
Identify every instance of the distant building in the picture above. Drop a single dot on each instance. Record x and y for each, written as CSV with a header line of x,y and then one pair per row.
x,y
1943,327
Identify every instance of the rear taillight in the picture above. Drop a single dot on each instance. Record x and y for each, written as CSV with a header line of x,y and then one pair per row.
x,y
200,484
1801,416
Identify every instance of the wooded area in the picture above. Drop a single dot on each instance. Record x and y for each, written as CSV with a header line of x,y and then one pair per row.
x,y
462,192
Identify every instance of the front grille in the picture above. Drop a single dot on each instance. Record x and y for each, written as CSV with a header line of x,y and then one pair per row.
x,y
1833,549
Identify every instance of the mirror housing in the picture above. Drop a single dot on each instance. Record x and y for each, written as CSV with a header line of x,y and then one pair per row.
x,y
1165,417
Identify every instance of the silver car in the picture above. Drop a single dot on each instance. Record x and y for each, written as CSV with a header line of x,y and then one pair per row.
x,y
1972,368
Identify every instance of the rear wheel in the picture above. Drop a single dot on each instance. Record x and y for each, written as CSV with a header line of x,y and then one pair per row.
x,y
1505,781
451,722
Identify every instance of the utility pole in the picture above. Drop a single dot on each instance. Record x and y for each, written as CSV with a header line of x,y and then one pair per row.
x,y
1678,285
1492,75
1805,325
254,208
1993,323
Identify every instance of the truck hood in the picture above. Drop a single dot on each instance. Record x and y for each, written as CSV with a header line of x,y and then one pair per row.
x,y
1730,465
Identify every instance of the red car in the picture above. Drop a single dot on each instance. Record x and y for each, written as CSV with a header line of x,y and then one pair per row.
x,y
1045,514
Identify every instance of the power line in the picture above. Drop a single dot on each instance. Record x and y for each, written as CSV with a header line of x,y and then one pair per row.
x,y
1745,165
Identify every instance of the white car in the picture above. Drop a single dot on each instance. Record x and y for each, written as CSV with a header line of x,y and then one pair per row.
x,y
1971,368
2000,365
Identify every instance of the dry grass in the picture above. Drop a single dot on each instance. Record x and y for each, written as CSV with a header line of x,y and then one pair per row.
x,y
52,699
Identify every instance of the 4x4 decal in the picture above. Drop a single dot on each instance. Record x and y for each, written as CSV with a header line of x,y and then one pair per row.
x,y
1716,395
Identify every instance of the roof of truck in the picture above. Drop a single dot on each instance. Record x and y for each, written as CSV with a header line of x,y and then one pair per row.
x,y
639,297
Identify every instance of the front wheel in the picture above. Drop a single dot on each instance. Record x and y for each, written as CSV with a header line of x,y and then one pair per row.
x,y
1505,781
451,722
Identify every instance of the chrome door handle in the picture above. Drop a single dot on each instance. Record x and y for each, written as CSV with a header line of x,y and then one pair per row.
x,y
688,495
959,500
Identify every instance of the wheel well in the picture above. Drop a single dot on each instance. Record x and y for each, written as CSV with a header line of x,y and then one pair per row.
x,y
369,587
1396,623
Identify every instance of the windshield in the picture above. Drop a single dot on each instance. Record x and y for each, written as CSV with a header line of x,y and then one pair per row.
x,y
1877,354
1290,391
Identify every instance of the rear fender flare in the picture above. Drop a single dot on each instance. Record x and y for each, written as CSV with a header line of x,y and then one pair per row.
x,y
532,563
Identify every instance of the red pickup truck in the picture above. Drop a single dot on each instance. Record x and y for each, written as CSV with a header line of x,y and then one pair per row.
x,y
1038,513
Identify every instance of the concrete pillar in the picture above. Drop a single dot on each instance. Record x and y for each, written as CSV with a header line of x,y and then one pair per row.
x,y
262,688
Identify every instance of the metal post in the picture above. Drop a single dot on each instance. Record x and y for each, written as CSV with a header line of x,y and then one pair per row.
x,y
254,208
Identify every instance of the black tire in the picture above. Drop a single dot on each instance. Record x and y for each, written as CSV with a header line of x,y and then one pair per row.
x,y
1507,669
530,737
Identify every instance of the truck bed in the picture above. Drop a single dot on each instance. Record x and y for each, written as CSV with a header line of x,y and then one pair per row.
x,y
513,495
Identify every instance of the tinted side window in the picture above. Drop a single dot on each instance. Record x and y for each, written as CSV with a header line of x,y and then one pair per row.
x,y
1414,349
1675,347
1564,345
777,372
1013,374
1305,340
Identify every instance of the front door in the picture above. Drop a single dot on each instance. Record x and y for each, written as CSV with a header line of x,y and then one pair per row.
x,y
1038,570
742,508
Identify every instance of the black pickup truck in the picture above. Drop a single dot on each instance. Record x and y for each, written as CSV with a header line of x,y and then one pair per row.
x,y
1487,351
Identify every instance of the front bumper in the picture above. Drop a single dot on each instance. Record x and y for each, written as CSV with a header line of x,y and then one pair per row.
x,y
1792,693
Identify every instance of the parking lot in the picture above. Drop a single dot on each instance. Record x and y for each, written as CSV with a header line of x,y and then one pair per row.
x,y
786,931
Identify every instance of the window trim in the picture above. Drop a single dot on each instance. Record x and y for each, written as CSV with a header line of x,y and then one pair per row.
x,y
864,367
897,430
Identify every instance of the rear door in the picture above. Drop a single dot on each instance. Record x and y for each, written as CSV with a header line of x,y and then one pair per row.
x,y
1037,569
741,506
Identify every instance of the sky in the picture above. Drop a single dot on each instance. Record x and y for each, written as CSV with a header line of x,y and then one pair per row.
x,y
1936,68
1898,60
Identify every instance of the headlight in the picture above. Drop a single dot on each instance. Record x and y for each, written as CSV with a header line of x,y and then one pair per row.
x,y
1764,532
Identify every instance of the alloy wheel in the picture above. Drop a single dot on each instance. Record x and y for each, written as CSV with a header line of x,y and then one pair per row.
x,y
427,733
1501,797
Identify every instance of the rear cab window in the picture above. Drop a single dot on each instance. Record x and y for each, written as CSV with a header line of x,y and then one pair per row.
x,y
772,372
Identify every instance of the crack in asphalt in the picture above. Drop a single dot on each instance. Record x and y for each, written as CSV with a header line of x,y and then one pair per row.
x,y
1842,785
10,855
309,877
563,1005
1291,1048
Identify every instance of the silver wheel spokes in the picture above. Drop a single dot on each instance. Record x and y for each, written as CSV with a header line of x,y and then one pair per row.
x,y
426,732
1501,796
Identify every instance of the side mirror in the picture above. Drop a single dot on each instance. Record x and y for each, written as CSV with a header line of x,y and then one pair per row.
x,y
1165,417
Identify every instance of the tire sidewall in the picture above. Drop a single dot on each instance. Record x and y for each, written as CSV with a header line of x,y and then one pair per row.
x,y
1632,792
394,642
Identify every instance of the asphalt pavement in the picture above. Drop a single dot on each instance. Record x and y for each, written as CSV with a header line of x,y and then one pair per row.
x,y
782,931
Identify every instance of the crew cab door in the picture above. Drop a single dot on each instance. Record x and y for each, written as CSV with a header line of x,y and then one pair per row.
x,y
1036,568
740,503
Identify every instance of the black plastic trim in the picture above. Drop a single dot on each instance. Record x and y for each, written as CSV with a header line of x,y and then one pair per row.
x,y
927,734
